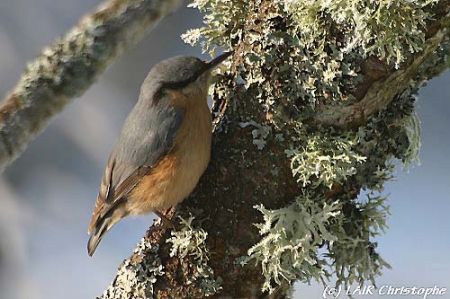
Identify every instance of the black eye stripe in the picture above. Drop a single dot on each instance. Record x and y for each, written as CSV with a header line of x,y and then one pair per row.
x,y
184,83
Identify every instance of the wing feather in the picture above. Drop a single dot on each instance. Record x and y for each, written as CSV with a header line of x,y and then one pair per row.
x,y
148,135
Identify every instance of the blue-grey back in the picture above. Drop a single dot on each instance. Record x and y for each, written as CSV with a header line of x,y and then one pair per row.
x,y
148,132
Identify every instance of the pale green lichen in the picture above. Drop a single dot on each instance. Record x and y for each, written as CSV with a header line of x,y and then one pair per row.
x,y
291,238
353,254
135,280
259,136
387,29
287,50
192,36
411,123
189,241
324,159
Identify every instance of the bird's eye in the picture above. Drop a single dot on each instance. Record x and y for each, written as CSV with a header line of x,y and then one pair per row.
x,y
160,93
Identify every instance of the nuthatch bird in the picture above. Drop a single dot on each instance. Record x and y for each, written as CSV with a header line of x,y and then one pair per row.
x,y
163,148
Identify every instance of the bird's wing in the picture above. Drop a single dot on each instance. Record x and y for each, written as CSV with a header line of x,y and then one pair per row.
x,y
147,135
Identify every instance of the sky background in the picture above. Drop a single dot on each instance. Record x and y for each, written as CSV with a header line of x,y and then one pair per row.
x,y
47,195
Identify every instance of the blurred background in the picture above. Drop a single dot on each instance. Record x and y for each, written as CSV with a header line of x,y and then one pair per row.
x,y
47,195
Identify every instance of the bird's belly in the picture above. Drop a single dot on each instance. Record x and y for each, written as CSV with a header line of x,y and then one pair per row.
x,y
177,174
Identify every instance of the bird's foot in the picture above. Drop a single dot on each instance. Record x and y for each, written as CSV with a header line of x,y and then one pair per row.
x,y
166,222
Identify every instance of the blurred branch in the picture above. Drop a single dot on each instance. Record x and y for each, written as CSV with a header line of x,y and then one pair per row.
x,y
70,65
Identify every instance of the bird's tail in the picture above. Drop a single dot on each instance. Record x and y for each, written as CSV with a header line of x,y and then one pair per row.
x,y
97,235
103,224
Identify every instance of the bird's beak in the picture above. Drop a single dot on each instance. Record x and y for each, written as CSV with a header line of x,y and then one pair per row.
x,y
216,61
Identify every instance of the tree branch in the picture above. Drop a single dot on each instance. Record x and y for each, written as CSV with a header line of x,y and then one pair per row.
x,y
70,65
381,92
